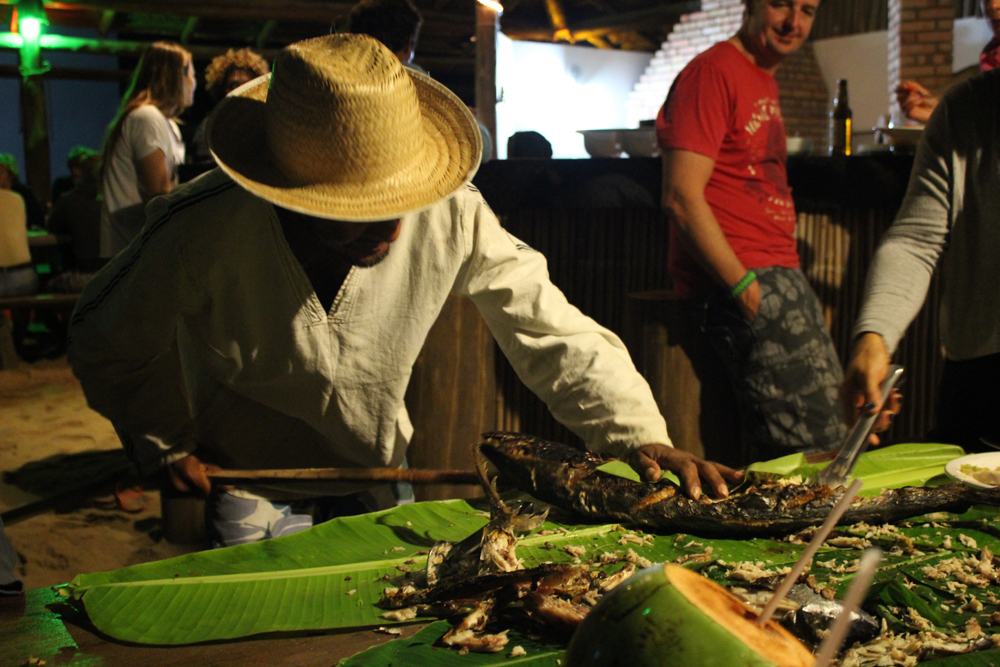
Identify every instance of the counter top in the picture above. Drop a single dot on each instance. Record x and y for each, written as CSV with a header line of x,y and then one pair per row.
x,y
857,181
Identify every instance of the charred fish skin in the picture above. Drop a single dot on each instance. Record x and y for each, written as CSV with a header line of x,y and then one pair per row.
x,y
568,478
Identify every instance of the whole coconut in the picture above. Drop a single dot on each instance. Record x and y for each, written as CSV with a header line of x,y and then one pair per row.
x,y
667,615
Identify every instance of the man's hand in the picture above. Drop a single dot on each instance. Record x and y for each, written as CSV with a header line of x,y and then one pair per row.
x,y
749,301
915,101
188,474
650,460
860,391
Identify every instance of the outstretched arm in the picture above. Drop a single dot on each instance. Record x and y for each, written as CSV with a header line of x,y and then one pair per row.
x,y
581,370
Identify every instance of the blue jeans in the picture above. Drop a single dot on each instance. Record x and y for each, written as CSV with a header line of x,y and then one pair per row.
x,y
22,281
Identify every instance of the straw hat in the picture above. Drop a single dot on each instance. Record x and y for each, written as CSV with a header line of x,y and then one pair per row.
x,y
340,130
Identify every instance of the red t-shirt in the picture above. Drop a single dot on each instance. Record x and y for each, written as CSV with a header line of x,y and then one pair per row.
x,y
724,107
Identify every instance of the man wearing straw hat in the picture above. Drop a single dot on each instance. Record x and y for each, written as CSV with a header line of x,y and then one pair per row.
x,y
270,312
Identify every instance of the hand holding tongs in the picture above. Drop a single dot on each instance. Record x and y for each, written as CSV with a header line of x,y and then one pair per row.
x,y
837,472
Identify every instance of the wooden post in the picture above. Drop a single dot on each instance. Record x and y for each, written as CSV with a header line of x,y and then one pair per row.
x,y
487,25
34,124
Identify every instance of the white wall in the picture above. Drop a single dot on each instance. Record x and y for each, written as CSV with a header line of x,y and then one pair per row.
x,y
970,36
557,89
864,61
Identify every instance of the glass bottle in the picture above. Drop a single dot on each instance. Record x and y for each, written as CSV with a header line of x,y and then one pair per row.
x,y
840,122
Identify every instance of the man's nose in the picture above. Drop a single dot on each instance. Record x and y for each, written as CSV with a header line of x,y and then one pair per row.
x,y
792,22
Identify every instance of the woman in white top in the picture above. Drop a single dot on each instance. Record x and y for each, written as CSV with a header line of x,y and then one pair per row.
x,y
143,146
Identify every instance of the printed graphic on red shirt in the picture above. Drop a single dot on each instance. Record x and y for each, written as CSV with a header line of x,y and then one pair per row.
x,y
726,108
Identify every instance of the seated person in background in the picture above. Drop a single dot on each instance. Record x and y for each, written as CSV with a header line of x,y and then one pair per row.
x,y
77,215
528,144
396,23
17,274
74,159
223,75
270,313
949,213
918,103
10,180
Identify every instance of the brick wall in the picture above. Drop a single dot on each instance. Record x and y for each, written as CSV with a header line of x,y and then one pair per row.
x,y
803,93
804,98
920,43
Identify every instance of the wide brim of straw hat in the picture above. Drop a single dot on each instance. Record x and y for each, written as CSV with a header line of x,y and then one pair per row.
x,y
448,156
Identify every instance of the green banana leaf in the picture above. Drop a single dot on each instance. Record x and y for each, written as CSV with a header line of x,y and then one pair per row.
x,y
909,464
331,575
246,590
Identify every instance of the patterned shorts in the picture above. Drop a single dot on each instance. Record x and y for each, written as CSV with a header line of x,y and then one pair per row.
x,y
783,366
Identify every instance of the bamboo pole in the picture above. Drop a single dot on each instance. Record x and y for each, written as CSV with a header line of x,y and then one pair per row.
x,y
413,476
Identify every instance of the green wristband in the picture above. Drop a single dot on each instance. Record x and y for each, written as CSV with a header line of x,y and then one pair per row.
x,y
744,283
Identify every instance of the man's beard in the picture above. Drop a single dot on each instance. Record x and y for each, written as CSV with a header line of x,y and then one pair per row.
x,y
371,260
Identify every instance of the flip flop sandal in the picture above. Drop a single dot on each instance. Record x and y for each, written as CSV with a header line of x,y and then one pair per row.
x,y
130,497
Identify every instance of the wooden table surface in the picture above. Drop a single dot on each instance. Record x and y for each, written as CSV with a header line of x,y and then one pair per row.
x,y
42,625
42,239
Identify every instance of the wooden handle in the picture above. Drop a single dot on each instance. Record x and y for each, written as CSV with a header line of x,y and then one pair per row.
x,y
351,475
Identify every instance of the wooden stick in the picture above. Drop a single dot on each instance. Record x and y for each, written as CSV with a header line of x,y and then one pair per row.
x,y
351,475
855,594
814,545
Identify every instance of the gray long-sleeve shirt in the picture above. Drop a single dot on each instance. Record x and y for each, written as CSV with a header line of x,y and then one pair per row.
x,y
952,203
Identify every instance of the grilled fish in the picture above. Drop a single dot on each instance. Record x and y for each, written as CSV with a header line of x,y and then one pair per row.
x,y
569,479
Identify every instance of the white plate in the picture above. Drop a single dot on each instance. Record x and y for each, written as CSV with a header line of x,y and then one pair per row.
x,y
902,136
989,460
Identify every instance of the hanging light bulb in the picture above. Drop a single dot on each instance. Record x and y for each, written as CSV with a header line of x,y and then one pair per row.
x,y
30,19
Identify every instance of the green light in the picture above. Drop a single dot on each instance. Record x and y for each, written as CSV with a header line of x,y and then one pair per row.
x,y
30,28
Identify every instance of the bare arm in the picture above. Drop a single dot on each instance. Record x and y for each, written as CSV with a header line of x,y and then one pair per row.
x,y
154,174
685,175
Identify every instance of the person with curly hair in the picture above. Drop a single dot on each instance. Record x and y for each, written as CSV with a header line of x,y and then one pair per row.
x,y
223,75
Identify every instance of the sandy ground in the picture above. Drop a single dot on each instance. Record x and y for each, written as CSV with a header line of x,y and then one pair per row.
x,y
42,414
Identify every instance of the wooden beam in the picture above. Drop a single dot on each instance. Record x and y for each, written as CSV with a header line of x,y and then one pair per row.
x,y
643,18
487,26
264,33
105,22
189,28
71,73
314,11
556,15
10,41
34,122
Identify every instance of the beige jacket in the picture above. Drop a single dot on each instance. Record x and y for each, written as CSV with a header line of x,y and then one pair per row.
x,y
206,332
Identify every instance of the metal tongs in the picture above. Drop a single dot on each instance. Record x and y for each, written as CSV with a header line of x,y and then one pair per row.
x,y
856,443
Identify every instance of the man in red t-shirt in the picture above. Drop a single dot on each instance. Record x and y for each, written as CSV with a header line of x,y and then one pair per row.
x,y
732,252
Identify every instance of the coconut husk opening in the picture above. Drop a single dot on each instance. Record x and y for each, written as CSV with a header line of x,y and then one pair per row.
x,y
772,642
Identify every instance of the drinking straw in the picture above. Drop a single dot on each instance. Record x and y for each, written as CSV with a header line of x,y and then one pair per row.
x,y
855,594
814,545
